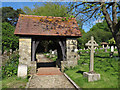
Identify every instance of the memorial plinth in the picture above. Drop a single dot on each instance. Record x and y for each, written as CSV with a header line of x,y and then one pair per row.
x,y
91,76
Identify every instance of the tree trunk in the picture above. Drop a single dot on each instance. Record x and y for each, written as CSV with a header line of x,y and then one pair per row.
x,y
62,45
113,25
116,36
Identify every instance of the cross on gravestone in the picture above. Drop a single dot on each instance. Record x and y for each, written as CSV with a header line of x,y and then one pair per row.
x,y
92,46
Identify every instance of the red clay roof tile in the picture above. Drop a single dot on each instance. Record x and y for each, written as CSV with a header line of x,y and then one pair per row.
x,y
46,25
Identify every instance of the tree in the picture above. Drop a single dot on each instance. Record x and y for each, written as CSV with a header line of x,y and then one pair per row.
x,y
107,10
10,15
111,41
100,26
49,9
9,40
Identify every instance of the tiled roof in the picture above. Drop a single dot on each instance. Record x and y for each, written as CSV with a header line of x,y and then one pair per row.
x,y
46,25
104,43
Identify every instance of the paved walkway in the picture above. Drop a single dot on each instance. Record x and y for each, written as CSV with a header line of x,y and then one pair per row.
x,y
50,81
49,77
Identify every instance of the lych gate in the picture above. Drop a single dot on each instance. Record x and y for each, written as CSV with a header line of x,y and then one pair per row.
x,y
33,29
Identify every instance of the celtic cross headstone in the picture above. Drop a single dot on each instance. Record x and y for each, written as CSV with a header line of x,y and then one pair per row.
x,y
92,46
91,75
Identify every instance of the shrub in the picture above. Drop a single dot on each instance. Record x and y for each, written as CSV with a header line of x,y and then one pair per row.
x,y
10,67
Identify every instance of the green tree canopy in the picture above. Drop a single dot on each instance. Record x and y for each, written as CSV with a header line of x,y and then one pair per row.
x,y
9,40
10,15
99,26
49,9
100,31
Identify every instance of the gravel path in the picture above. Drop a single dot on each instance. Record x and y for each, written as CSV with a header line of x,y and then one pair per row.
x,y
50,81
48,77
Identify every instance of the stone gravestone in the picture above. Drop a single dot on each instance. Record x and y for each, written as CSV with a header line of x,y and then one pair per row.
x,y
53,53
91,75
50,53
22,71
76,50
112,51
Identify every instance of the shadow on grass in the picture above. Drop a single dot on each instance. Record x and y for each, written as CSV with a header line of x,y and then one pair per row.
x,y
80,71
82,54
102,57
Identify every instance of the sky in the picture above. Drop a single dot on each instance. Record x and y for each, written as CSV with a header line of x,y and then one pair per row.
x,y
17,5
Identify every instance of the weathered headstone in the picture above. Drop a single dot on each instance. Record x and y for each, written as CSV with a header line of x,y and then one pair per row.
x,y
22,70
76,50
53,53
91,75
112,51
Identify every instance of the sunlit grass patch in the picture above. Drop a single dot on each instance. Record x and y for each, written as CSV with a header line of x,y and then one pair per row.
x,y
14,82
104,65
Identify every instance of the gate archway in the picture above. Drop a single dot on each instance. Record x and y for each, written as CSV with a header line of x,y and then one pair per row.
x,y
32,29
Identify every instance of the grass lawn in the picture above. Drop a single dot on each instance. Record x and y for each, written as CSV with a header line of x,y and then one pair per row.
x,y
14,82
104,65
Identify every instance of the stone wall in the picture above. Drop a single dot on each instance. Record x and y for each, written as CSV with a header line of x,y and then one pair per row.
x,y
25,50
72,56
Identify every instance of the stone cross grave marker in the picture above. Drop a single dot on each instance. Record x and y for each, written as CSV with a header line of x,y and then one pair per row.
x,y
92,46
91,75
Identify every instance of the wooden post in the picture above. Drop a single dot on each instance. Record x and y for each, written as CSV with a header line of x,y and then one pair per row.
x,y
36,44
33,50
62,45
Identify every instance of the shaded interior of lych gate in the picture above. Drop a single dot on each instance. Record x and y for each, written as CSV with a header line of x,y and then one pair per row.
x,y
59,44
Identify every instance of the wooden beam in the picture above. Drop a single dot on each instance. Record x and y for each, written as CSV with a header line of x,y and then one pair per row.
x,y
36,44
33,50
62,45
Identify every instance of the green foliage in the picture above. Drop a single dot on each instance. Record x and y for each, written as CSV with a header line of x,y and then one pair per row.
x,y
82,31
10,15
49,9
104,65
100,31
112,41
14,82
102,16
99,36
9,40
99,26
52,58
11,66
71,16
